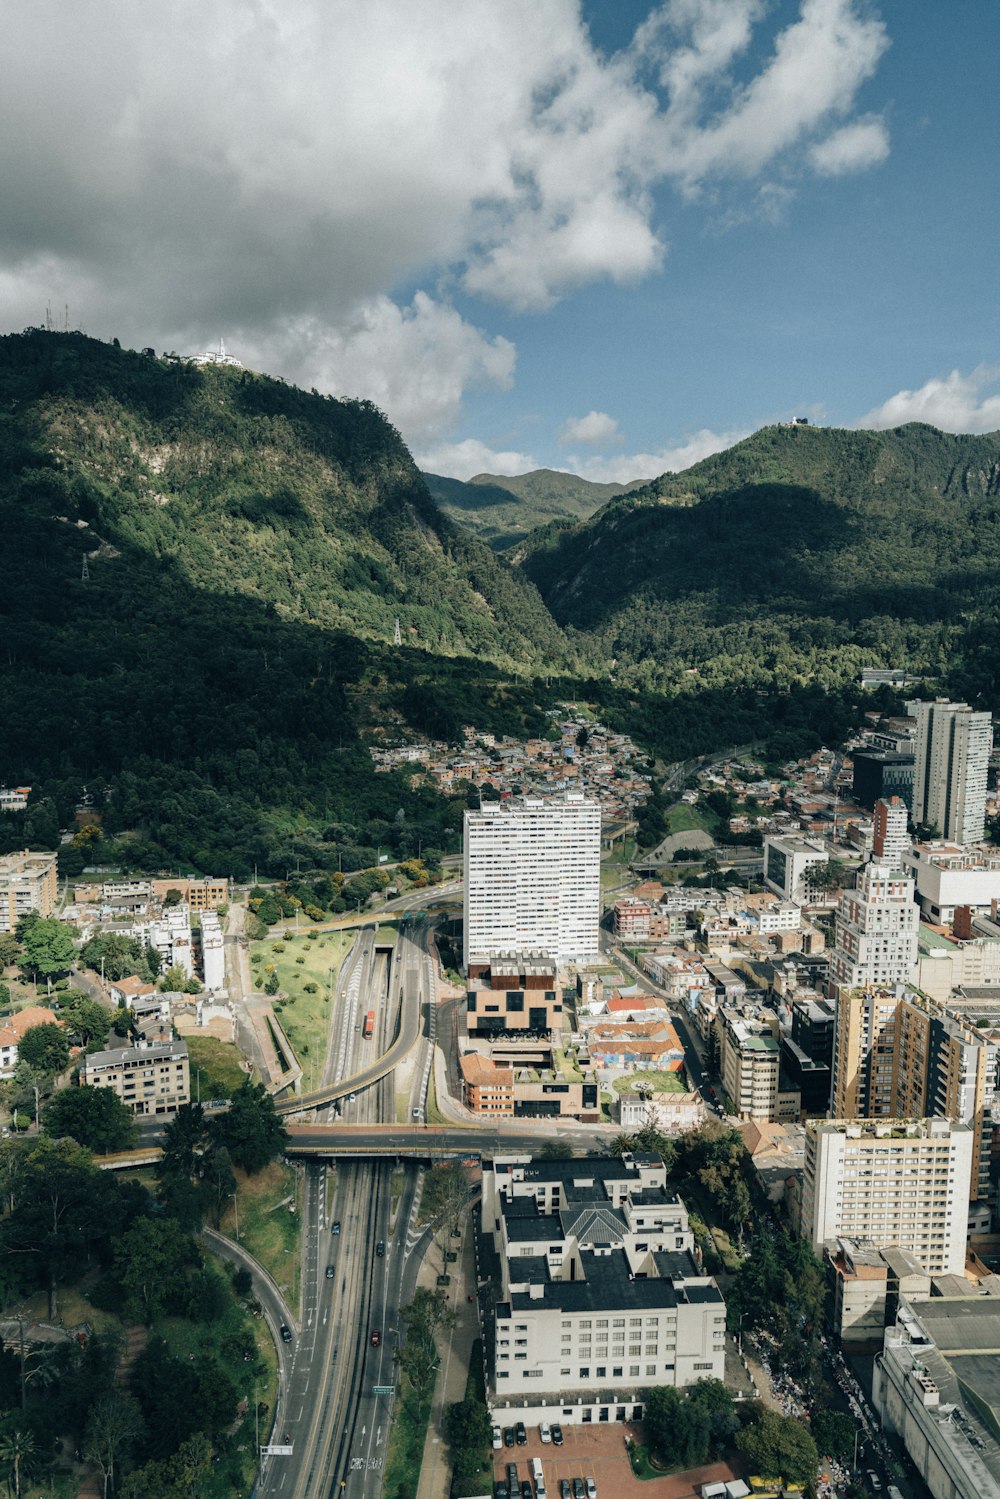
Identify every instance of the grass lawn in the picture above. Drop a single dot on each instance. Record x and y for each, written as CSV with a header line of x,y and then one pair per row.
x,y
305,1017
215,1068
434,1114
388,932
638,1456
660,1082
682,818
567,1067
267,1230
405,1447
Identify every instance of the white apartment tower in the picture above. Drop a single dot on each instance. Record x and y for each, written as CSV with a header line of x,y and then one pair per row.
x,y
532,872
952,759
892,1181
213,959
875,937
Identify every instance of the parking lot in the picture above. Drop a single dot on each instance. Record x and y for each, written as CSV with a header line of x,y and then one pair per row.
x,y
599,1451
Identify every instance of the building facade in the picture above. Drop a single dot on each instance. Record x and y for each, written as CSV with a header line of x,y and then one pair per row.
x,y
151,1079
875,940
532,872
947,877
890,839
787,862
864,1053
750,1064
514,994
27,883
952,761
601,1295
891,1181
213,960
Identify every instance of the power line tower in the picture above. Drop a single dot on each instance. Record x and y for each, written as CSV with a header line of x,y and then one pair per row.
x,y
85,570
397,638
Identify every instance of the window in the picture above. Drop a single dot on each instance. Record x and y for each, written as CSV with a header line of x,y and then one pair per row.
x,y
602,1371
602,1321
618,1322
616,1372
566,1372
650,1370
633,1371
701,1366
585,1373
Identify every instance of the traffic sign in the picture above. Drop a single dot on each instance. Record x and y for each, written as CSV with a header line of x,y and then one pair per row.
x,y
382,1389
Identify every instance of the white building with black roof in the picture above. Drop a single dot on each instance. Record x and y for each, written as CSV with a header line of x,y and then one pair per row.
x,y
600,1293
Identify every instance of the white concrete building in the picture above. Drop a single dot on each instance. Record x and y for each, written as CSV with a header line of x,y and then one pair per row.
x,y
952,760
601,1296
213,959
892,1181
171,936
787,861
151,1078
947,876
532,875
875,940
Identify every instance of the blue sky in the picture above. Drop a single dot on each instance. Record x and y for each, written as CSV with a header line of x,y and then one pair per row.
x,y
605,235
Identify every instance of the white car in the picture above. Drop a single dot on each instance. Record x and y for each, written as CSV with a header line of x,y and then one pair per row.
x,y
545,1432
497,1439
591,1488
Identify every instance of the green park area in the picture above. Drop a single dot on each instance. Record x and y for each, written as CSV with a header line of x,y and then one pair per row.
x,y
216,1068
682,818
656,1082
266,1227
300,970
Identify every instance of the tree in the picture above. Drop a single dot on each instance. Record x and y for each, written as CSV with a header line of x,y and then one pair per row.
x,y
779,1447
114,1425
220,1183
250,1129
95,1117
45,1048
48,948
181,1476
468,1429
10,951
181,1397
17,1451
175,980
834,1433
116,956
61,1212
151,1262
86,1020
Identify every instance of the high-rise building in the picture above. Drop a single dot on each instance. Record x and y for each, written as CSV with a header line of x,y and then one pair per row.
x,y
893,1181
864,1053
953,751
27,883
788,861
875,937
890,840
533,878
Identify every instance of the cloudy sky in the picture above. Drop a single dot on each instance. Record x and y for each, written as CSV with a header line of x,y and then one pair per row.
x,y
604,235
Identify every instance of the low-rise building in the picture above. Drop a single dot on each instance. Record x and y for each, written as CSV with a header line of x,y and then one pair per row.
x,y
671,1113
14,1029
787,862
517,992
27,883
601,1296
892,1181
866,1284
151,1079
128,991
14,798
948,875
198,895
504,1091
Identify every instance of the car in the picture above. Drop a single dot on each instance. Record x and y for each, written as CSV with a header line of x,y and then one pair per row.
x,y
329,1272
545,1432
527,1492
579,1489
591,1488
565,1491
497,1438
380,1249
352,1097
500,1490
286,1333
875,1483
508,1436
556,1434
376,1338
335,1226
512,1482
521,1434
415,1113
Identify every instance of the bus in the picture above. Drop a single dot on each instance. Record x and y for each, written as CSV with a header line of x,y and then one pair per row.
x,y
369,1024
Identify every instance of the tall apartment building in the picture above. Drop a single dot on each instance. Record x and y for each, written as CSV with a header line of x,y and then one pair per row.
x,y
171,936
952,760
891,1181
532,872
27,883
875,938
213,961
601,1296
864,1053
890,840
750,1064
152,1079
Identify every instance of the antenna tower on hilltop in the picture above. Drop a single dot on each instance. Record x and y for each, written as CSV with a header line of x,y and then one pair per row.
x,y
397,638
85,570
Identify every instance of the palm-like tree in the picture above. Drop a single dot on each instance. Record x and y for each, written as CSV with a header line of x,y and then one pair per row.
x,y
17,1448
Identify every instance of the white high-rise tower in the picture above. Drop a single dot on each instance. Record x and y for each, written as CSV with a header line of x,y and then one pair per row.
x,y
952,760
533,878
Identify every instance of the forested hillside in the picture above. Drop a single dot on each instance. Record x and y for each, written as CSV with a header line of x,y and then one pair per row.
x,y
799,554
502,510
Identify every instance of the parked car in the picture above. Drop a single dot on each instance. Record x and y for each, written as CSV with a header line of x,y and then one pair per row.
x,y
556,1434
376,1338
497,1438
591,1488
286,1333
508,1436
579,1489
521,1434
565,1489
512,1480
500,1490
526,1489
545,1432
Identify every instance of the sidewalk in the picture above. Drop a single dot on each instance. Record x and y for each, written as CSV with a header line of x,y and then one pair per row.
x,y
435,1470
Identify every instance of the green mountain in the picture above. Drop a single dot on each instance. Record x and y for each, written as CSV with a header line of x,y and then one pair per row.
x,y
501,510
800,554
249,548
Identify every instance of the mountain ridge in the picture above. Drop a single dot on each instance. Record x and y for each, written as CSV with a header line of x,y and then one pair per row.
x,y
502,509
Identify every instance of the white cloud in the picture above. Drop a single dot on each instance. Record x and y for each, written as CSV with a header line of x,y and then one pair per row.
x,y
863,144
463,460
277,170
595,427
629,466
956,403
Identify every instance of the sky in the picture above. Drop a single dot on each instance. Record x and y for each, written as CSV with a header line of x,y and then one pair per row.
x,y
607,236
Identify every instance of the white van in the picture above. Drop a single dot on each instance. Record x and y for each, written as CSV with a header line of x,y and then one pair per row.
x,y
536,1473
